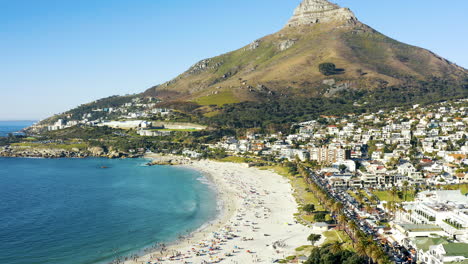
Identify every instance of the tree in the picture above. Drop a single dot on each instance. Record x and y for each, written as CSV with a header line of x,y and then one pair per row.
x,y
394,193
330,254
309,208
319,217
337,207
313,238
342,219
342,167
405,186
360,248
328,69
335,247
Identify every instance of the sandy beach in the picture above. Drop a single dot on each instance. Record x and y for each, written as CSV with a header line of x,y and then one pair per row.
x,y
256,223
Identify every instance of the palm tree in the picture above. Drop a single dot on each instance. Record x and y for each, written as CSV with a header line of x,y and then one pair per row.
x,y
360,248
336,247
405,186
415,192
337,207
342,220
391,208
380,257
375,253
353,227
394,192
369,250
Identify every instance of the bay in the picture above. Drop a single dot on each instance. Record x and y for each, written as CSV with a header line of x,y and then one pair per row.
x,y
89,211
13,127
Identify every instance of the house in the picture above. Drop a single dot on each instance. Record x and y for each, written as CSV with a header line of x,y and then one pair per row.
x,y
350,165
333,130
423,244
406,169
320,226
376,155
191,154
462,177
419,230
435,168
446,253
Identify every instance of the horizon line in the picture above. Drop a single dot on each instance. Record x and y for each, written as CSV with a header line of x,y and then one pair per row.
x,y
19,120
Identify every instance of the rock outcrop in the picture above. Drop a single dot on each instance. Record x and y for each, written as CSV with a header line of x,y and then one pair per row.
x,y
286,44
158,159
51,153
40,153
320,11
97,151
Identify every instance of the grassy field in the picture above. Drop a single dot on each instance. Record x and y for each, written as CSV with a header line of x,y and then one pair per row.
x,y
462,187
353,194
235,159
212,113
69,147
177,130
330,237
222,98
387,196
338,235
365,194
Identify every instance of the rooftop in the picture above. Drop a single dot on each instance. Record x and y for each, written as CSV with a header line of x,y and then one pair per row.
x,y
420,228
456,249
424,243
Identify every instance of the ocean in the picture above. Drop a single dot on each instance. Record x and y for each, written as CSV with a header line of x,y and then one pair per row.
x,y
89,211
7,127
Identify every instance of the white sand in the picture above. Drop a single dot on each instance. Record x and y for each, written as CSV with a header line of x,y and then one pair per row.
x,y
258,209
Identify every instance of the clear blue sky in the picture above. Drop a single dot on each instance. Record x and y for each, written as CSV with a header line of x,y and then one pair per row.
x,y
57,54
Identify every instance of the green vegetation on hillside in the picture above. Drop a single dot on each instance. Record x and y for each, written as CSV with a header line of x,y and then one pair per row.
x,y
222,98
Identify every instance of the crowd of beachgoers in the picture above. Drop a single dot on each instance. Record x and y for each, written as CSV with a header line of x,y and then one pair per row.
x,y
255,225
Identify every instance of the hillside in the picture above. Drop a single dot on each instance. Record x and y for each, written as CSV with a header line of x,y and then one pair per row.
x,y
286,63
324,61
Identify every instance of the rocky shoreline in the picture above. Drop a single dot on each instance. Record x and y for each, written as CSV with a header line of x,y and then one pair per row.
x,y
51,153
158,159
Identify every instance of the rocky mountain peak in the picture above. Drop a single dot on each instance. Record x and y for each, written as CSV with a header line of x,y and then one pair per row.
x,y
320,11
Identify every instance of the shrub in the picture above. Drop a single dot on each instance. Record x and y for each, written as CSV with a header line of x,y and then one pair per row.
x,y
328,69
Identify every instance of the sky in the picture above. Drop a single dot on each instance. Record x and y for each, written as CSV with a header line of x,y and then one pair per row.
x,y
56,54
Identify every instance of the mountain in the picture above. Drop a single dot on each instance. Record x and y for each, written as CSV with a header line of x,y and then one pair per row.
x,y
322,51
323,62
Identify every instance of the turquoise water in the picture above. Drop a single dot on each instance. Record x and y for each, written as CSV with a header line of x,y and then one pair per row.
x,y
73,211
13,126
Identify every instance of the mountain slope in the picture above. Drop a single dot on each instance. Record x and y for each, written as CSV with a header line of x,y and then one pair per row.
x,y
286,63
324,61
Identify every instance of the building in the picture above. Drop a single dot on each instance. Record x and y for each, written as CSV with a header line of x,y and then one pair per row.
x,y
134,124
447,210
446,253
329,155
